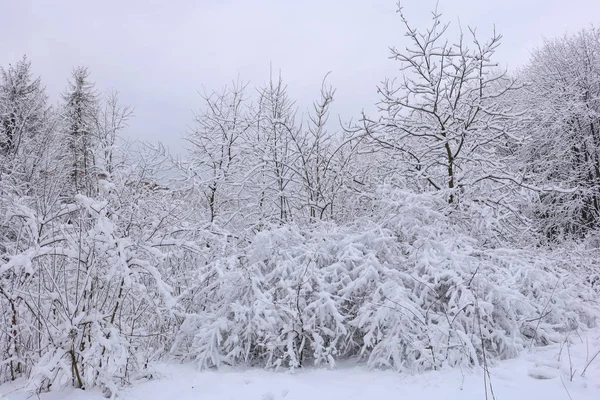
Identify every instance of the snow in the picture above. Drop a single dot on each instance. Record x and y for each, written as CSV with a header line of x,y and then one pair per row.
x,y
541,373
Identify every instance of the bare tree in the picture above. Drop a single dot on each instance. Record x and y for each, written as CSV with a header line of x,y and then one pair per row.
x,y
112,120
219,148
442,115
276,122
321,158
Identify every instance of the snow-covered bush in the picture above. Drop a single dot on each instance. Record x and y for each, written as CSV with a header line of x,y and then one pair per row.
x,y
411,292
83,291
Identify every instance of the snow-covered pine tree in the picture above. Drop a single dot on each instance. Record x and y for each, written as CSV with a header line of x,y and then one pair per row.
x,y
80,116
24,112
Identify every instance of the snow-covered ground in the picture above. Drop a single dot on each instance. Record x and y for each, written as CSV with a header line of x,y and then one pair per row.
x,y
552,372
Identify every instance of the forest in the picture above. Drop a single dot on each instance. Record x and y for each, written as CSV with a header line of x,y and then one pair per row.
x,y
456,226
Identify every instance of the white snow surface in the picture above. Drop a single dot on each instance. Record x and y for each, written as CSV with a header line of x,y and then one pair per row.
x,y
549,373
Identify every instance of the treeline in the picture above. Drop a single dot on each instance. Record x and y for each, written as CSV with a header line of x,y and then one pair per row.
x,y
456,226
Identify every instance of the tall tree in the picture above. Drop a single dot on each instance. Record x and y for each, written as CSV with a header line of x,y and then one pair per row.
x,y
273,143
219,150
321,159
442,115
80,128
561,133
113,119
23,107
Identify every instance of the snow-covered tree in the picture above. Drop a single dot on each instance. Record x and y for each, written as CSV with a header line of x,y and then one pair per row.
x,y
219,152
442,114
80,116
560,146
276,179
24,114
113,118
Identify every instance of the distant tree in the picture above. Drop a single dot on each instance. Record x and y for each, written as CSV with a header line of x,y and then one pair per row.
x,y
560,144
113,118
276,120
322,160
23,107
258,163
219,149
80,128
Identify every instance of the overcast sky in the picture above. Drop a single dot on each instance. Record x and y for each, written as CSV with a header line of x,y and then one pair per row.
x,y
159,54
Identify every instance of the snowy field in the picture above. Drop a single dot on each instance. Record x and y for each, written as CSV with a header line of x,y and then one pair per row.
x,y
543,373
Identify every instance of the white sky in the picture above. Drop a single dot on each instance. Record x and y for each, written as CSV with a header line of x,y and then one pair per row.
x,y
159,54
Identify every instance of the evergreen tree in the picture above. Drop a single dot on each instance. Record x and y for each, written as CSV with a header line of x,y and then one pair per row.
x,y
23,108
80,123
